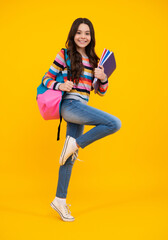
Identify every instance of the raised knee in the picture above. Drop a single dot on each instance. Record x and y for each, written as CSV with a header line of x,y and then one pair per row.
x,y
118,124
115,125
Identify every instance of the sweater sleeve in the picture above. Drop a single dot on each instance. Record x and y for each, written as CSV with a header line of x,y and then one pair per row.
x,y
50,77
103,86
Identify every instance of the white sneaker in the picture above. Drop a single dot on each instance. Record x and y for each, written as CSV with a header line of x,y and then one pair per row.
x,y
63,211
68,149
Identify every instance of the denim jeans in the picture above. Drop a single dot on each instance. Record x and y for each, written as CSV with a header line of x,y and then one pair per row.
x,y
78,114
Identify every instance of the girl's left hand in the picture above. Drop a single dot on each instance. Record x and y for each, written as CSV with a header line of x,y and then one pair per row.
x,y
99,73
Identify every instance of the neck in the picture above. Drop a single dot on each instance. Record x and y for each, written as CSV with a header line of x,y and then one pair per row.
x,y
81,51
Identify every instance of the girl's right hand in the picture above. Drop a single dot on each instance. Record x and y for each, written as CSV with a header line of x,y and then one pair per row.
x,y
67,86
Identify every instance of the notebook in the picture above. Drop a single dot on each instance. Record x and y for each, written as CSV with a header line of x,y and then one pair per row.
x,y
107,60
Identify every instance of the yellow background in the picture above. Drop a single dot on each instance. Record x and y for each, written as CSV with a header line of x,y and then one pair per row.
x,y
120,191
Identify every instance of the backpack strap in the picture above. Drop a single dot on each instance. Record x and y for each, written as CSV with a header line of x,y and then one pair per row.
x,y
67,62
59,128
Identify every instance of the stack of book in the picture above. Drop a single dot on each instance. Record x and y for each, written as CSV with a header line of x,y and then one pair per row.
x,y
107,60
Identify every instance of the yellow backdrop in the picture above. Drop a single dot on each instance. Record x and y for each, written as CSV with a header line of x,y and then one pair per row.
x,y
120,191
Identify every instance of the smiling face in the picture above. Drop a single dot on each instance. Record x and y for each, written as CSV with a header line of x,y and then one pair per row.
x,y
82,37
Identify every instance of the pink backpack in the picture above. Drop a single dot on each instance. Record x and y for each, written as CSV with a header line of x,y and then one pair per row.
x,y
49,104
49,101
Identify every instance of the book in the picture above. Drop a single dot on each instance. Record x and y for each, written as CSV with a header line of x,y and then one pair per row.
x,y
107,60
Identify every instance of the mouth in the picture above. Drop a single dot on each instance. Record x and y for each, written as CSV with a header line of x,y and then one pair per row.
x,y
82,42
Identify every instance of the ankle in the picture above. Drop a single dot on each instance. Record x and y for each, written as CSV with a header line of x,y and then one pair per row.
x,y
60,200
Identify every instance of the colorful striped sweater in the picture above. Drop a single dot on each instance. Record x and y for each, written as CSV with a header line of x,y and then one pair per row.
x,y
81,91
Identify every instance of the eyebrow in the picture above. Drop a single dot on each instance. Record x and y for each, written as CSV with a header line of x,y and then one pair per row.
x,y
85,31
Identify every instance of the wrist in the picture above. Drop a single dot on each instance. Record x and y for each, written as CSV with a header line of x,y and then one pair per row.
x,y
58,86
104,79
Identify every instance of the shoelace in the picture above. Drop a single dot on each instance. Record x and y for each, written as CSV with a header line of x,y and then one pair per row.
x,y
75,155
67,209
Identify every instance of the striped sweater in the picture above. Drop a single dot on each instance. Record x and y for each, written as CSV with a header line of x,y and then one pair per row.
x,y
81,91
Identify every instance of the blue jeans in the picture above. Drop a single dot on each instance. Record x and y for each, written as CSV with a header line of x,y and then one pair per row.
x,y
78,114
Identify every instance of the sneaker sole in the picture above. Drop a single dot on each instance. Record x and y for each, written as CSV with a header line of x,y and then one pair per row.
x,y
63,151
58,211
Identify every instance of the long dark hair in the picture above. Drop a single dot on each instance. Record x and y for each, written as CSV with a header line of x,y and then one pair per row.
x,y
75,57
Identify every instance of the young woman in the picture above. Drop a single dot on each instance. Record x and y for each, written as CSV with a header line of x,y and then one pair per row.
x,y
80,47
